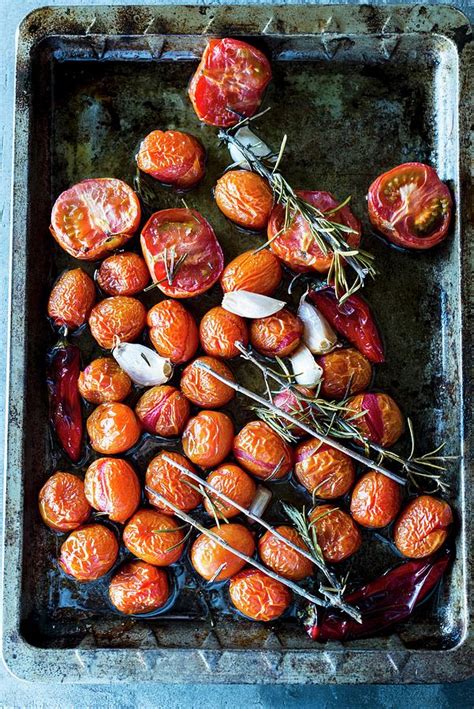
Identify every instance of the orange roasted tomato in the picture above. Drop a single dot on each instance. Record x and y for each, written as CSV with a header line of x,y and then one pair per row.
x,y
202,388
233,482
62,502
103,380
256,272
115,319
345,371
163,411
208,438
173,331
154,537
383,422
172,157
113,428
169,481
422,527
337,534
258,596
139,587
262,451
220,330
89,552
95,217
324,471
277,335
71,299
296,245
125,273
245,198
111,486
212,561
376,500
287,400
281,558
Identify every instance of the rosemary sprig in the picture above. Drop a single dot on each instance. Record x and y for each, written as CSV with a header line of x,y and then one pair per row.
x,y
172,266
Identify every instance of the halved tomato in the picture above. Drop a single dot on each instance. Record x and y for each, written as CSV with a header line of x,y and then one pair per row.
x,y
410,206
181,240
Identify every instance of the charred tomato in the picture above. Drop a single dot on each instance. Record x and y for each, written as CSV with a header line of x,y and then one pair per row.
x,y
172,157
376,500
281,558
256,272
219,331
125,273
261,451
89,552
113,428
103,380
62,503
71,299
173,331
139,587
111,486
163,411
277,335
323,470
202,388
154,537
117,319
422,527
212,561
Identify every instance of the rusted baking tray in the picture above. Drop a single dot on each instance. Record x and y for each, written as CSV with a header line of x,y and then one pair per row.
x,y
358,89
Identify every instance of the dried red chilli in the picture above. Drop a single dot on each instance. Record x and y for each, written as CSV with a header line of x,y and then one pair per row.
x,y
64,367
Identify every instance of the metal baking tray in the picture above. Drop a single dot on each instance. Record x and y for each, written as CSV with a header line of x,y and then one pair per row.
x,y
358,89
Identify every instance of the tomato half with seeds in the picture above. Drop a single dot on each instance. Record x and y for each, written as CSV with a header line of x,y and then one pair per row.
x,y
234,482
119,318
139,587
203,389
154,537
229,82
173,331
323,470
123,274
169,481
62,503
258,596
422,527
71,299
257,272
208,437
261,451
103,380
411,206
163,411
382,423
212,561
337,534
89,552
281,558
376,500
111,486
113,428
219,331
182,252
172,157
94,217
245,198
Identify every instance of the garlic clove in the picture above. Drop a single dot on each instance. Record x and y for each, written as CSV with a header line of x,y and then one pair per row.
x,y
318,335
251,141
261,501
143,365
306,370
251,305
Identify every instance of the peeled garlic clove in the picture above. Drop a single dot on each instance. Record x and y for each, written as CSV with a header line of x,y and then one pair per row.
x,y
251,305
143,365
318,335
305,368
261,501
251,141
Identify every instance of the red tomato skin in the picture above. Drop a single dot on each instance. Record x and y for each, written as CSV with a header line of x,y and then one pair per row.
x,y
172,157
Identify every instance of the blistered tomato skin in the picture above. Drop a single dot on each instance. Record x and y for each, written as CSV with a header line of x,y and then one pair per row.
x,y
154,537
287,400
163,411
219,331
172,157
261,451
257,596
62,503
103,381
113,428
337,534
233,482
281,558
139,587
95,217
383,422
277,335
173,331
202,389
345,372
376,500
208,437
111,486
256,272
89,552
123,274
117,319
71,299
422,527
167,480
208,557
245,198
324,471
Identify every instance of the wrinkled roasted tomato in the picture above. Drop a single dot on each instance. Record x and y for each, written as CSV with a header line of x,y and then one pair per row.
x,y
173,331
154,537
163,411
123,274
95,217
258,596
173,234
111,486
410,206
336,532
167,480
119,318
288,401
139,587
103,380
202,388
62,502
261,451
229,82
383,422
172,157
113,428
71,299
233,482
277,335
376,500
422,526
345,372
212,561
89,552
256,272
220,330
281,558
245,198
208,437
324,471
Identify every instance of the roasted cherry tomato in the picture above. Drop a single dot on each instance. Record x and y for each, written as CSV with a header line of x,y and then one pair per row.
x,y
113,428
261,451
111,486
163,411
376,500
95,217
323,470
169,481
173,331
71,299
229,82
220,330
154,537
62,502
89,552
182,252
208,437
345,371
117,319
233,482
281,558
289,401
139,587
383,422
277,335
258,596
336,532
172,157
103,380
422,527
202,388
257,272
212,561
245,198
410,206
296,245
123,274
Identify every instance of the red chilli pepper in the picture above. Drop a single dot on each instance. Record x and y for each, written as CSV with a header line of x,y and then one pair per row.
x,y
353,319
64,367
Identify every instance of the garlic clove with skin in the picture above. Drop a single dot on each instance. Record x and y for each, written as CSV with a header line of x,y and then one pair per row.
x,y
306,370
318,335
251,305
253,143
143,365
